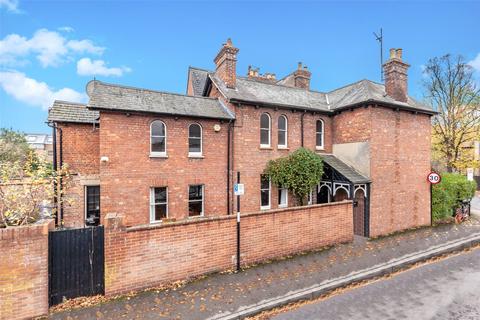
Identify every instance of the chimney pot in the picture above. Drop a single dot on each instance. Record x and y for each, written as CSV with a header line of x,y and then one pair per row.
x,y
399,54
392,53
299,65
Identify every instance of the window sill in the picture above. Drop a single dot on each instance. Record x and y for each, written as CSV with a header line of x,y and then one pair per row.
x,y
265,148
320,148
195,156
281,206
158,155
265,208
283,148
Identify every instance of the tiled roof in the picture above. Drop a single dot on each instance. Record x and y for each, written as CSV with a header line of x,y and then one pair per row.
x,y
38,138
105,96
248,90
63,111
198,77
347,171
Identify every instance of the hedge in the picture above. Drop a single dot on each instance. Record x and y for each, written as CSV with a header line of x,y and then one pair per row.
x,y
447,194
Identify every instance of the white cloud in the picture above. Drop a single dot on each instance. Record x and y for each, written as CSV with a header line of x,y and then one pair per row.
x,y
66,29
35,93
87,67
475,63
50,48
10,5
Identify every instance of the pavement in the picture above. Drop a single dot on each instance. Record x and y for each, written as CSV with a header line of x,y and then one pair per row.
x,y
446,289
229,295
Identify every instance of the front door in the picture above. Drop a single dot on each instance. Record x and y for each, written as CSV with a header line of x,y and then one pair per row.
x,y
92,205
359,213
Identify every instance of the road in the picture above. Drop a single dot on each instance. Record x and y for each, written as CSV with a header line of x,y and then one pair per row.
x,y
447,289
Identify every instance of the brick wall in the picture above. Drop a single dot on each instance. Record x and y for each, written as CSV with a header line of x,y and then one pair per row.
x,y
399,163
81,153
24,271
141,257
130,172
251,160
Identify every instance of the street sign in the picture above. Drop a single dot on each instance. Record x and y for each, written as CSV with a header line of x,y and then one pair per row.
x,y
239,189
470,174
434,178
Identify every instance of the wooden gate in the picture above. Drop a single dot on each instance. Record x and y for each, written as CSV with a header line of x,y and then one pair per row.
x,y
76,263
359,213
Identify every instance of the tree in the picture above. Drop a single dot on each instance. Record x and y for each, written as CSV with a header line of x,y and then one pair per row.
x,y
299,172
451,90
14,148
25,187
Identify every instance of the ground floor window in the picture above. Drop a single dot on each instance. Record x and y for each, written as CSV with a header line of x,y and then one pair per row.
x,y
195,200
264,192
92,205
158,203
282,197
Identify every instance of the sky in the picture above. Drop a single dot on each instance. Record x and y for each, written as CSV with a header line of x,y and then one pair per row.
x,y
50,49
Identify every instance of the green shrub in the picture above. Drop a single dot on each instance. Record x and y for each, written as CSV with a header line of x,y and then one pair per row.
x,y
299,172
447,194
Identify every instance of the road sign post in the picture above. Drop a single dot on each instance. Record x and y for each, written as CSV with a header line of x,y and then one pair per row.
x,y
238,190
432,178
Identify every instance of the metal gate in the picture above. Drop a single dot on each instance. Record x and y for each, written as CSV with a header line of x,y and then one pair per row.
x,y
75,263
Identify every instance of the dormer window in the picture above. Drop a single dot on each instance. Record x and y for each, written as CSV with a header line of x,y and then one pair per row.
x,y
158,139
265,125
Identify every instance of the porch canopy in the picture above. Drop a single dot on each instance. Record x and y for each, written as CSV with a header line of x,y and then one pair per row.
x,y
340,181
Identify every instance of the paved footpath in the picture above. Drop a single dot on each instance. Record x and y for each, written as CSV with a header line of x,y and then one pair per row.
x,y
220,293
447,289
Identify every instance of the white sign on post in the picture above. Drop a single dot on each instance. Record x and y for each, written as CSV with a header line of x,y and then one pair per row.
x,y
434,178
470,174
239,189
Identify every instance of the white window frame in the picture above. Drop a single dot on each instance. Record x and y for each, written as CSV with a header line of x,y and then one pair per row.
x,y
269,131
152,204
322,147
283,205
283,146
310,198
202,214
267,207
195,154
158,153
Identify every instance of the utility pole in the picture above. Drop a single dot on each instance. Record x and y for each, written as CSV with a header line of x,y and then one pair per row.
x,y
379,38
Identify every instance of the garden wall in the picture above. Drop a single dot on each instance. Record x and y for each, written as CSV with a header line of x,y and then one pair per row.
x,y
24,271
145,256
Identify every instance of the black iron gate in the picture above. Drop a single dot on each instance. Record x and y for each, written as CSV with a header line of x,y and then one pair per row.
x,y
76,263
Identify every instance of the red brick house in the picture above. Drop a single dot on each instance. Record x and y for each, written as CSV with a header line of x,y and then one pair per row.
x,y
155,156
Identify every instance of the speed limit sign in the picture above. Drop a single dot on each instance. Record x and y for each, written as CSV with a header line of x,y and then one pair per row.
x,y
434,178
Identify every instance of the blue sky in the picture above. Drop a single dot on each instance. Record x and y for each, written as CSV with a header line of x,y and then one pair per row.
x,y
51,49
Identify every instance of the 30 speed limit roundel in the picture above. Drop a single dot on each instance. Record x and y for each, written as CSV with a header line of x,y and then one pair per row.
x,y
434,178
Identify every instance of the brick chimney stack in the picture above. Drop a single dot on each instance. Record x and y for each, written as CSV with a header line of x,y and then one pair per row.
x,y
226,64
396,78
302,77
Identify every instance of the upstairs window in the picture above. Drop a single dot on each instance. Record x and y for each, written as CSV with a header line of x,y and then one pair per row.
x,y
319,135
195,200
158,204
264,192
282,131
158,138
265,130
195,140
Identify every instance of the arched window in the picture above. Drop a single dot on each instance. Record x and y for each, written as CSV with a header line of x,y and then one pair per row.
x,y
282,131
195,140
265,130
319,135
158,138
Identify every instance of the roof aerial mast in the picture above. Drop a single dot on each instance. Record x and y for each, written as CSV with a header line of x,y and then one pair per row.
x,y
379,38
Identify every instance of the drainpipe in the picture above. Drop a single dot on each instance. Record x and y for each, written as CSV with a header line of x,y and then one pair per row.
x,y
57,188
229,138
301,130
